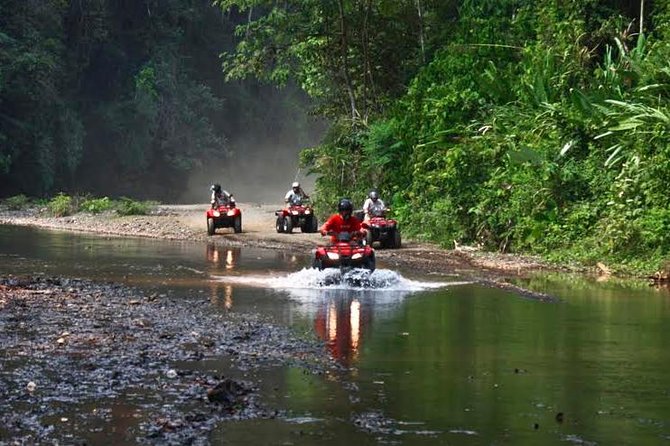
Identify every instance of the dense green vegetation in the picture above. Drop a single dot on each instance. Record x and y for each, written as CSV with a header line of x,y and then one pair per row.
x,y
121,97
523,126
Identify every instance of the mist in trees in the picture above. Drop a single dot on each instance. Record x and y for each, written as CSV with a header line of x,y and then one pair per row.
x,y
117,97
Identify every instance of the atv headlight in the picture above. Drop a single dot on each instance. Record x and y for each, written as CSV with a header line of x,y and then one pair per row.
x,y
356,256
307,212
230,213
217,213
333,256
294,212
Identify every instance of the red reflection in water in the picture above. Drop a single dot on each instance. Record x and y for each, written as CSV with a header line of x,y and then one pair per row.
x,y
215,294
226,257
340,322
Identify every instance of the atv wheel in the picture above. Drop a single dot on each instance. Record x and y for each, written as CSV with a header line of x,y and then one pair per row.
x,y
396,240
368,238
279,225
370,263
288,225
317,264
237,226
210,226
314,223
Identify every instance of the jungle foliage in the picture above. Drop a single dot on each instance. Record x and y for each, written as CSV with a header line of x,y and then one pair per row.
x,y
117,97
521,126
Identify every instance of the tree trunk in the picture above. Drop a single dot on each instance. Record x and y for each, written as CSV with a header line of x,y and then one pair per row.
x,y
345,63
368,64
249,19
421,37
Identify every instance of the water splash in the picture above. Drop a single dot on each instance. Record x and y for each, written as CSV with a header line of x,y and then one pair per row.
x,y
333,279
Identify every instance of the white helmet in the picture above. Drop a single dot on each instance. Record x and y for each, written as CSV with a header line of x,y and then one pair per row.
x,y
295,184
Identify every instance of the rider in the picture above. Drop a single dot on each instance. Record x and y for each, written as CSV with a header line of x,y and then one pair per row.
x,y
295,194
220,197
373,206
343,221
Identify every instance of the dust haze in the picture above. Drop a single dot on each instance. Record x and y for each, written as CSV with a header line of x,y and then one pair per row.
x,y
254,172
258,174
265,134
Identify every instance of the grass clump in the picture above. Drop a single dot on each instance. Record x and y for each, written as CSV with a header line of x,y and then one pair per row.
x,y
17,202
61,205
96,205
128,206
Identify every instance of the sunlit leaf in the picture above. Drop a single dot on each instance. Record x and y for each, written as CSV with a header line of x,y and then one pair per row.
x,y
613,158
627,125
566,147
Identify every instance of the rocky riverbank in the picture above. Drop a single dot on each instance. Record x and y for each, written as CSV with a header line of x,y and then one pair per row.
x,y
77,355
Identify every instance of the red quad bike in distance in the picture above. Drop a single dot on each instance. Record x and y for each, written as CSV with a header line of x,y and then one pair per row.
x,y
224,216
298,213
383,230
344,254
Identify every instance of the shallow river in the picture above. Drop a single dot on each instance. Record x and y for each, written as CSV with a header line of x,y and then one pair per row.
x,y
430,360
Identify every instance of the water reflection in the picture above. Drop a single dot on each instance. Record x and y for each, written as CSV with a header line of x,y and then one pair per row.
x,y
221,294
227,258
223,257
289,258
340,321
343,318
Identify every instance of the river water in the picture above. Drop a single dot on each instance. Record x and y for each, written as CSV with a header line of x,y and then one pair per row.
x,y
430,361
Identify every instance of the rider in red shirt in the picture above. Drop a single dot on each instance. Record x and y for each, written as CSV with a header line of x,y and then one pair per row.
x,y
343,221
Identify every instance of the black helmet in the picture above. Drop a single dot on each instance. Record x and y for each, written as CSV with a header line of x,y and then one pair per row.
x,y
216,188
345,205
374,196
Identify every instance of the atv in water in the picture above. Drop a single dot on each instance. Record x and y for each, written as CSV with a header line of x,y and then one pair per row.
x,y
226,215
298,213
383,230
345,254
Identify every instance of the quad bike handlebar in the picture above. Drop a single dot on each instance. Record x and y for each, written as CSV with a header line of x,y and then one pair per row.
x,y
356,236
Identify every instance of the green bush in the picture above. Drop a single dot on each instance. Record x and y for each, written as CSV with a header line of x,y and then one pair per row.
x,y
17,202
128,206
61,205
96,205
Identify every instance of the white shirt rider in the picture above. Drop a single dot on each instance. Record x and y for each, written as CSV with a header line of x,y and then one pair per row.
x,y
295,195
373,206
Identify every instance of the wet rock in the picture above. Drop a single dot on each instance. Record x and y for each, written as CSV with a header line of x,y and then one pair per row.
x,y
228,393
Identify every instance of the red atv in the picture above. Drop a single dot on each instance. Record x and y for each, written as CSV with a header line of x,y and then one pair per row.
x,y
346,253
383,230
297,214
226,215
